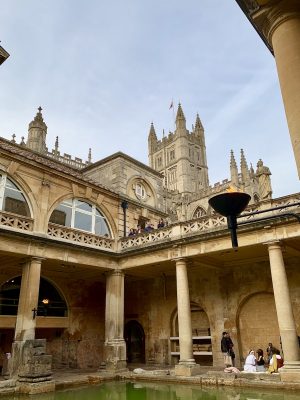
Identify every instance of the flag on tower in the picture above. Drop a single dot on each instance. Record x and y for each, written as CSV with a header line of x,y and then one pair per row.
x,y
171,105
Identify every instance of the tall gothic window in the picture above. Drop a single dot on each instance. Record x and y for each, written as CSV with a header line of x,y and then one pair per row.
x,y
78,214
199,212
11,197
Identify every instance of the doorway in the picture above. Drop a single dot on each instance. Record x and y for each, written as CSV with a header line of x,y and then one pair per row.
x,y
135,342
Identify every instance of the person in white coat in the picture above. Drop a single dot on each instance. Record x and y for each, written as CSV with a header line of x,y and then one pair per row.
x,y
250,363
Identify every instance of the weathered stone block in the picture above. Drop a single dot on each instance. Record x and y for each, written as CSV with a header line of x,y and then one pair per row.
x,y
187,370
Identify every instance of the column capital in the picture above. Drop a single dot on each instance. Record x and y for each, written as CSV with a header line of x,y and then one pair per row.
x,y
273,244
180,259
270,16
37,259
115,272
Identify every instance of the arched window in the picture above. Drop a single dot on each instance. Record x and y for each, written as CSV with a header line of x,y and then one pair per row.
x,y
140,191
50,303
199,212
78,214
11,197
256,198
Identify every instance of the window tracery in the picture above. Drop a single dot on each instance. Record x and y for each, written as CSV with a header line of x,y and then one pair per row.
x,y
199,212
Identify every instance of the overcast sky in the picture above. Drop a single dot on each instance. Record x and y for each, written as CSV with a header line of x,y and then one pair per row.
x,y
104,69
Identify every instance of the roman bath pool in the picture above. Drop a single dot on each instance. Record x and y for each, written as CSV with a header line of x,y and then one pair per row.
x,y
153,391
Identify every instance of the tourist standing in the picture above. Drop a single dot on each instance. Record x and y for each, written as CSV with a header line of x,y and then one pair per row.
x,y
227,349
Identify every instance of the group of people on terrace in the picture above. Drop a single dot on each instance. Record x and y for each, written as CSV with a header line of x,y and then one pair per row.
x,y
148,227
271,363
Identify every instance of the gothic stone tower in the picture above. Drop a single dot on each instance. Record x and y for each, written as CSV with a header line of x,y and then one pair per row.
x,y
37,133
180,157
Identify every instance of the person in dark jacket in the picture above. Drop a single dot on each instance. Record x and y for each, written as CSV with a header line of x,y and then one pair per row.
x,y
227,349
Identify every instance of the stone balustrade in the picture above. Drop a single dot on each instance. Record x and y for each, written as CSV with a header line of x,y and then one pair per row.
x,y
16,221
84,238
186,229
208,224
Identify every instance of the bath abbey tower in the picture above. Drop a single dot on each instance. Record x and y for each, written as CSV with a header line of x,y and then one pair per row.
x,y
181,158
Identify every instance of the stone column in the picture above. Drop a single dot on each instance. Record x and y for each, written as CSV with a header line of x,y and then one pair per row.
x,y
280,22
29,362
286,322
28,300
187,365
115,346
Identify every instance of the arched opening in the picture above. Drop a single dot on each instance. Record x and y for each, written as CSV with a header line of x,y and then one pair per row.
x,y
52,312
135,342
257,323
199,212
50,303
202,347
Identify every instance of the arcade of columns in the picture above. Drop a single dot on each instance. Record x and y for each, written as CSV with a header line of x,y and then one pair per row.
x,y
115,347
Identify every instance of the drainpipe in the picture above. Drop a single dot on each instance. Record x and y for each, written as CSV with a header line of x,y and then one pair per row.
x,y
124,206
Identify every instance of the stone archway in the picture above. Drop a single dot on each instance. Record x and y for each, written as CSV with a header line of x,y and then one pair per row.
x,y
135,342
257,323
202,344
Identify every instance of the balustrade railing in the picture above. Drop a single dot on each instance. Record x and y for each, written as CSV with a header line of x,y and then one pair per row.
x,y
16,221
69,234
201,225
206,224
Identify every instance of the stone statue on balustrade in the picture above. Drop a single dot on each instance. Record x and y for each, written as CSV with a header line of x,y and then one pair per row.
x,y
264,181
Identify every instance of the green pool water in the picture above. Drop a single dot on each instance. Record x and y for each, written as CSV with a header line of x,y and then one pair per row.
x,y
151,391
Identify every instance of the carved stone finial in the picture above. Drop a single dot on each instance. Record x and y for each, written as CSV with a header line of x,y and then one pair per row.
x,y
13,138
40,109
22,141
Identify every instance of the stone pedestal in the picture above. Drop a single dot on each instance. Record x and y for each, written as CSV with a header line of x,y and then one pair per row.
x,y
115,355
186,369
290,372
31,366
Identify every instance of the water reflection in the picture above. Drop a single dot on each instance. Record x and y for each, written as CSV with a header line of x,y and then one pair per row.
x,y
151,391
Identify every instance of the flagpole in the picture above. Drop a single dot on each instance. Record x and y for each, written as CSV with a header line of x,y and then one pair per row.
x,y
173,113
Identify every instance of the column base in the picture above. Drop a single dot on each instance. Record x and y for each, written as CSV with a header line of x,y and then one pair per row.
x,y
290,372
115,355
187,368
36,387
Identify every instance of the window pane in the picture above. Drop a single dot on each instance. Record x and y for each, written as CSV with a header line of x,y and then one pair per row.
x,y
68,202
83,206
101,227
15,202
9,184
61,215
83,221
